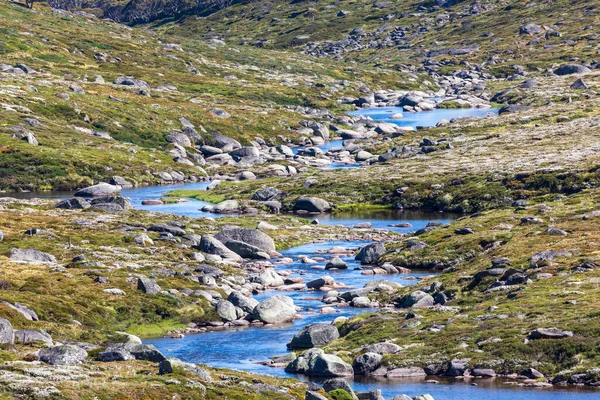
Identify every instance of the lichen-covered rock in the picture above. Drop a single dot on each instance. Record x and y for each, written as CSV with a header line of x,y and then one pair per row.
x,y
148,286
370,253
366,363
63,355
314,335
311,205
7,334
315,362
31,255
253,237
275,309
99,190
168,365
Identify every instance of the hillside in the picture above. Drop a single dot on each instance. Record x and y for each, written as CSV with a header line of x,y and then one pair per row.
x,y
90,129
499,35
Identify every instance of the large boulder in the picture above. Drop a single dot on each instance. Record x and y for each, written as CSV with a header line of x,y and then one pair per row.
x,y
99,190
366,363
63,355
168,365
227,207
146,352
132,82
148,286
370,253
315,362
570,69
247,304
115,202
383,348
336,263
320,282
267,194
408,372
246,250
166,228
31,255
33,336
275,309
226,143
226,310
268,278
311,205
7,334
314,335
338,383
549,333
73,204
210,245
113,355
416,299
253,237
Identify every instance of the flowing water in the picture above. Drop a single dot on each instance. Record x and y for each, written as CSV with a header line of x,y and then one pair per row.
x,y
241,348
414,120
425,118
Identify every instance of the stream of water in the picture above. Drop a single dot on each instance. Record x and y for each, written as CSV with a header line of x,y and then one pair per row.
x,y
241,348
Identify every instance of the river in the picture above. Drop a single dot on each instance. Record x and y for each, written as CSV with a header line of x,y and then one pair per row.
x,y
241,348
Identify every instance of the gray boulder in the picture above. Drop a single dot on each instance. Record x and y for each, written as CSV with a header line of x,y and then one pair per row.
x,y
113,355
253,237
311,205
166,228
267,194
31,255
122,202
226,311
246,250
146,352
416,299
63,355
530,29
131,82
32,336
314,335
320,282
532,373
25,311
227,207
570,69
336,263
338,383
148,286
383,348
73,204
370,253
210,245
168,365
549,333
268,278
275,309
7,334
99,190
366,363
579,84
224,142
315,362
247,304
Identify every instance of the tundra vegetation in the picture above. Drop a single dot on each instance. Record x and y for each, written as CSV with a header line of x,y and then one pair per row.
x,y
105,95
